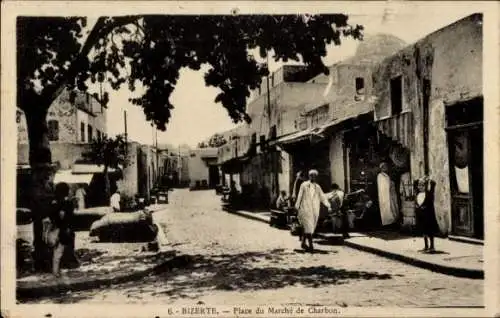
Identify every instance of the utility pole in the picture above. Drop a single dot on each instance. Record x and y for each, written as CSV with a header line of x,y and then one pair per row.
x,y
274,175
157,156
126,135
179,164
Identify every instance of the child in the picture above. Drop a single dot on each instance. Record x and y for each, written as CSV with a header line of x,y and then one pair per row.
x,y
425,213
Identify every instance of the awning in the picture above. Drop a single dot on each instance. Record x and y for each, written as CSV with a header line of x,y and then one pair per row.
x,y
69,177
303,135
89,168
346,112
354,111
399,128
234,165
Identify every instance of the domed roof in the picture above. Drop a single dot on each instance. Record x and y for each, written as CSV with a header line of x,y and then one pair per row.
x,y
380,45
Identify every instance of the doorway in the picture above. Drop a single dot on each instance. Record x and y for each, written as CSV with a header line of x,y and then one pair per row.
x,y
213,176
465,144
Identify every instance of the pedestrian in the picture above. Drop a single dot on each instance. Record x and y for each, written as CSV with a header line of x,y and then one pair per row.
x,y
80,197
308,202
282,202
425,212
336,199
61,216
299,179
115,201
388,201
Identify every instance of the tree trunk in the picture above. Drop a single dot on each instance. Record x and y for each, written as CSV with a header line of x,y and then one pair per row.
x,y
106,184
42,173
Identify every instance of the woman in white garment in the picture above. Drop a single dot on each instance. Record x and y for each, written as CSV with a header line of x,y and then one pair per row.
x,y
387,197
308,203
80,197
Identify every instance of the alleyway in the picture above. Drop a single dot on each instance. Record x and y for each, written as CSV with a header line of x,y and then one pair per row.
x,y
237,260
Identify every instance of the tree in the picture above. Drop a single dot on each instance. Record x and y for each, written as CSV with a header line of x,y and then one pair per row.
x,y
110,153
148,52
217,141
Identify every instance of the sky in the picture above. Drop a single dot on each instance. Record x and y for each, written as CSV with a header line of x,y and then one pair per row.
x,y
196,116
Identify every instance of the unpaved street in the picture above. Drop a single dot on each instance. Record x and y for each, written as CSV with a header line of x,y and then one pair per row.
x,y
240,261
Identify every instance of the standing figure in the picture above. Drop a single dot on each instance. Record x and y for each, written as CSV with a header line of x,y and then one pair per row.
x,y
387,197
115,201
425,213
336,199
80,197
308,203
61,215
299,179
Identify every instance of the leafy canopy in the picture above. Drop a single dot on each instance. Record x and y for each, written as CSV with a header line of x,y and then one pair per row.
x,y
217,140
148,52
109,152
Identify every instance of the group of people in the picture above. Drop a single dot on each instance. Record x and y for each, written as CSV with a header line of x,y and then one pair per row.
x,y
307,197
58,225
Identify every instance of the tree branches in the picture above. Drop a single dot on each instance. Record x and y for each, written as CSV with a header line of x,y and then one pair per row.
x,y
161,46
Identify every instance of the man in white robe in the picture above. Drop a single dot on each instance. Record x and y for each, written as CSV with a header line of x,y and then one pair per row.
x,y
308,203
387,197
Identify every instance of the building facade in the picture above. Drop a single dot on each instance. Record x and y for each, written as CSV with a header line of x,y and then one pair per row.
x,y
333,133
431,104
73,120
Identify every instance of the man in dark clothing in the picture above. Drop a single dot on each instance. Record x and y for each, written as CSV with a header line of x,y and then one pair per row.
x,y
61,216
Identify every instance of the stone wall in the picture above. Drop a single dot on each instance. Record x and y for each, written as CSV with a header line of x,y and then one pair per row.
x,y
129,184
65,154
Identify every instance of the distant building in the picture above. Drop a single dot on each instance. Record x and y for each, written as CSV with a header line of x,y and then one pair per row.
x,y
203,169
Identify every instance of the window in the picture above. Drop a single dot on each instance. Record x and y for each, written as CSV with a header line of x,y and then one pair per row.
x,y
98,132
397,95
360,86
319,115
53,130
82,132
90,133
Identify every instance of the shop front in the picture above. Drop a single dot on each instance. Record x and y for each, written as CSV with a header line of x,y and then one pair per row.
x,y
308,150
395,140
465,145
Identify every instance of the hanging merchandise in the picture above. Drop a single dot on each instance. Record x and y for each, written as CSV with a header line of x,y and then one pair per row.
x,y
400,157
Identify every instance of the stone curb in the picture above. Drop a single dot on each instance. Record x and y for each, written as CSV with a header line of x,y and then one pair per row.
x,y
438,268
29,292
249,215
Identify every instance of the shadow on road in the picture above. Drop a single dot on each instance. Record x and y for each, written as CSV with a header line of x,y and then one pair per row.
x,y
244,272
193,276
